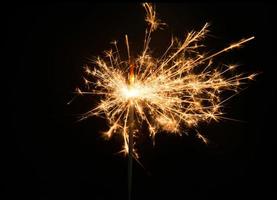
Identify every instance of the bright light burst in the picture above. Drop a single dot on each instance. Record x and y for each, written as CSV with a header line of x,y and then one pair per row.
x,y
179,89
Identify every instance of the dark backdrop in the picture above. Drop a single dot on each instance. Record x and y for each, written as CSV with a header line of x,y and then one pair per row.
x,y
55,157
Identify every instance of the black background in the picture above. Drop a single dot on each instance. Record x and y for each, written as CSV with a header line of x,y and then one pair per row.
x,y
55,157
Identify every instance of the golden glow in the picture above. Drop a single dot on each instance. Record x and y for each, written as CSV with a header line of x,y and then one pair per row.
x,y
181,88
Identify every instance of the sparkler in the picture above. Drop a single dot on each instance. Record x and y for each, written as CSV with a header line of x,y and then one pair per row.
x,y
181,88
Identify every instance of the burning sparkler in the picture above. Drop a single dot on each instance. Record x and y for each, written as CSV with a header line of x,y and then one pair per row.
x,y
179,89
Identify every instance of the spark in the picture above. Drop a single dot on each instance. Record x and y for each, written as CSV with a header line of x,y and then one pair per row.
x,y
179,89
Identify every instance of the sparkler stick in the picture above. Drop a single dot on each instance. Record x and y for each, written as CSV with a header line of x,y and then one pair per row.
x,y
130,153
180,89
131,123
